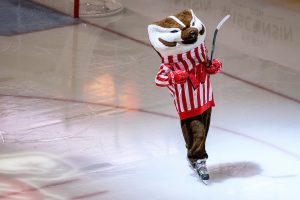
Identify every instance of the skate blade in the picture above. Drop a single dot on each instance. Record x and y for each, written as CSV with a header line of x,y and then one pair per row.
x,y
205,181
192,168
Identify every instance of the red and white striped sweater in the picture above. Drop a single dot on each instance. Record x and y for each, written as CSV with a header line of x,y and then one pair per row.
x,y
188,102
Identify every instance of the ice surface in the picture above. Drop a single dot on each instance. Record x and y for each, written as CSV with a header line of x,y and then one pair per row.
x,y
81,117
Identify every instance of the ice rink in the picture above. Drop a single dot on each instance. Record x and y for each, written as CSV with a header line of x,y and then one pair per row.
x,y
81,116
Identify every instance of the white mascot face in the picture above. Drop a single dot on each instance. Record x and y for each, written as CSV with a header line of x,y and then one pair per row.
x,y
177,34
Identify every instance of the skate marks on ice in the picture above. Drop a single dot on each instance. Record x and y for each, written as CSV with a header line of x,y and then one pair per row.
x,y
222,172
106,170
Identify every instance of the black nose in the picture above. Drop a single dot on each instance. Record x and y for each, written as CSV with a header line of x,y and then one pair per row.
x,y
192,34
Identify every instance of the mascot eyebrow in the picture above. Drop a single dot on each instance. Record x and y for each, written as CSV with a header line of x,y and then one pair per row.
x,y
177,20
168,23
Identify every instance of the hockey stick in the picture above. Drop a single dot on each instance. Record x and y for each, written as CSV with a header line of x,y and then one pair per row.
x,y
194,81
215,36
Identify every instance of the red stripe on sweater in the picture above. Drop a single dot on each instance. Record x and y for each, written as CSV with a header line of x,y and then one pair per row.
x,y
198,96
206,52
161,85
192,60
177,98
161,78
197,55
190,88
183,100
168,66
170,59
179,57
208,84
203,53
183,97
171,90
189,56
204,102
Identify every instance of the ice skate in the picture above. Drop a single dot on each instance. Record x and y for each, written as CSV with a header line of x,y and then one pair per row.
x,y
200,167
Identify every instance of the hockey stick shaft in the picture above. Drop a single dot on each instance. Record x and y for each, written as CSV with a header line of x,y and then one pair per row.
x,y
215,36
213,45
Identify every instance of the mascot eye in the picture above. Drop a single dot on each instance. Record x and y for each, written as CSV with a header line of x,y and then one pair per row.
x,y
193,24
174,31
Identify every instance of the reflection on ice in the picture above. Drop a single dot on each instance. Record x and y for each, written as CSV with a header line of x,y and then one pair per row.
x,y
18,189
34,165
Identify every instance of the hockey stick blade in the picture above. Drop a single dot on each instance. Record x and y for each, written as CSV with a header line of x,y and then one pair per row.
x,y
223,21
215,35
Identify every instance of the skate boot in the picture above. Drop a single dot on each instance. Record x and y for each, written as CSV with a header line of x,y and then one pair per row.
x,y
201,169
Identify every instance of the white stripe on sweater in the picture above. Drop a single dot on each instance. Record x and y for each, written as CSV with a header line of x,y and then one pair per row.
x,y
196,98
187,96
201,94
180,97
205,87
210,92
200,54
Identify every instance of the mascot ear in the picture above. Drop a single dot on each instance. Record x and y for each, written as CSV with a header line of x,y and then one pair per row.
x,y
153,33
192,12
152,28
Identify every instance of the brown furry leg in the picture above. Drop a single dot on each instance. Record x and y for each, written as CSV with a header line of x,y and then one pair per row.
x,y
206,122
197,151
195,132
187,136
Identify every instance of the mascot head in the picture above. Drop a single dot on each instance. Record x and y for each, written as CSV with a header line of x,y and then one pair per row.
x,y
177,34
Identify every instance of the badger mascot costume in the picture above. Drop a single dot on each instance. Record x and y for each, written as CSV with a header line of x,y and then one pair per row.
x,y
185,70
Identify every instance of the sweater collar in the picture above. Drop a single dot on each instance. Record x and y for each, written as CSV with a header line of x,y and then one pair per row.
x,y
198,53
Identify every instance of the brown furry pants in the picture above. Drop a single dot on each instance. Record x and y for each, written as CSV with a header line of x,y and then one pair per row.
x,y
195,131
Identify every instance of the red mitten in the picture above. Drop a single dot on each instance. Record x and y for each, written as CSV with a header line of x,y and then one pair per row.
x,y
177,77
215,67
